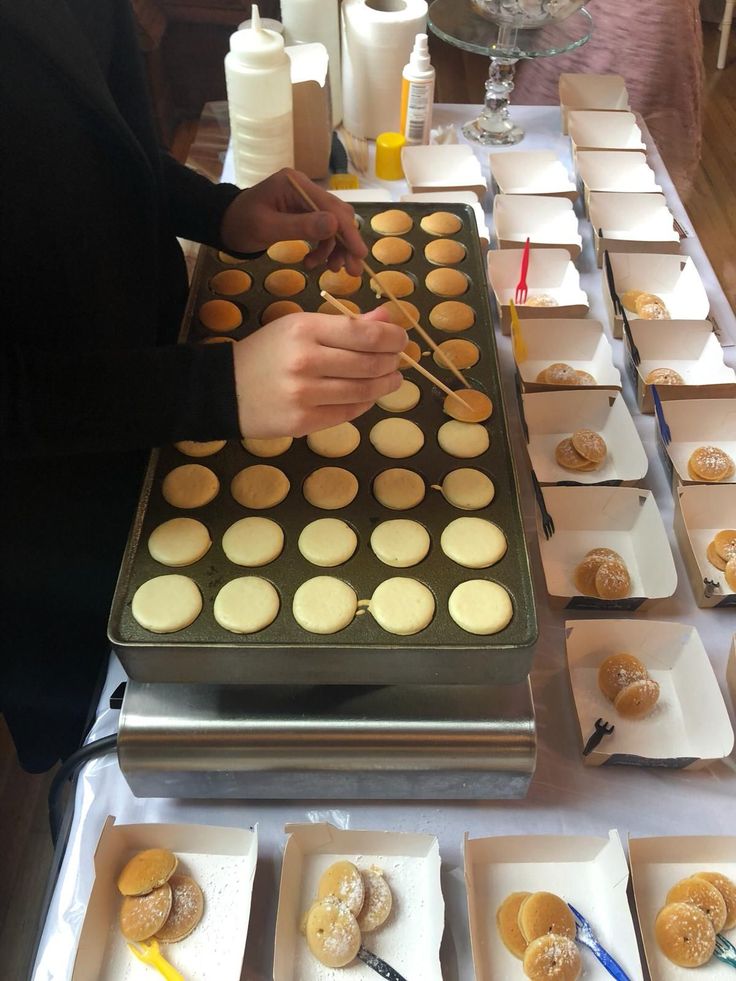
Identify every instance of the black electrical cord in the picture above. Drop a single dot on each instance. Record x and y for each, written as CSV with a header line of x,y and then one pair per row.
x,y
69,769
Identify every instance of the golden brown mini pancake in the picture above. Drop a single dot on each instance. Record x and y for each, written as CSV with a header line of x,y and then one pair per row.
x,y
711,463
231,282
339,283
590,445
684,934
392,251
392,315
637,700
146,870
441,223
281,308
725,543
220,315
444,252
391,222
187,907
328,307
617,672
413,351
284,282
142,916
463,354
391,279
288,251
664,376
480,409
452,316
447,282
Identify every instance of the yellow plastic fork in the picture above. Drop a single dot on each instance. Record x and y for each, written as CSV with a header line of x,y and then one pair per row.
x,y
518,343
149,953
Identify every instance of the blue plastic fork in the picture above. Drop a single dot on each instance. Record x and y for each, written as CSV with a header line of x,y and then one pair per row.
x,y
585,935
725,950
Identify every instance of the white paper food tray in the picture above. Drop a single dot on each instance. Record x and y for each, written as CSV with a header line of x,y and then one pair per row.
x,y
656,865
548,222
409,940
358,195
449,168
221,860
620,171
731,672
591,873
579,343
631,223
531,172
688,728
694,423
625,519
593,129
553,416
700,513
589,91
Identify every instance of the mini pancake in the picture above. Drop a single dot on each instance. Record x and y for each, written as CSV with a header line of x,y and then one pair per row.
x,y
637,700
664,376
378,900
441,223
327,542
413,351
463,354
343,880
618,671
552,956
390,314
179,542
332,932
166,604
190,447
507,921
405,397
190,486
612,580
684,934
479,408
392,251
567,456
260,486
727,888
400,543
281,308
391,279
585,571
285,282
330,488
589,445
147,870
464,440
288,251
447,282
557,373
703,894
253,541
246,605
231,282
339,283
452,316
714,558
473,543
187,907
480,606
330,308
545,912
651,307
468,489
392,222
444,252
629,298
399,489
273,446
397,438
540,300
142,916
324,605
220,315
402,606
711,463
725,543
336,441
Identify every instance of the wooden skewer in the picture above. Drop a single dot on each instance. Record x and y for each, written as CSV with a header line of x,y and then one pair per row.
x,y
405,357
374,276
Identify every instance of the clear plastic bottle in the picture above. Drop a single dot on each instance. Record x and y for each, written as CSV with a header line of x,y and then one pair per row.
x,y
258,77
417,94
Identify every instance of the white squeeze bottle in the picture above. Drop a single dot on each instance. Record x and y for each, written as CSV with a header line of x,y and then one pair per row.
x,y
417,93
258,77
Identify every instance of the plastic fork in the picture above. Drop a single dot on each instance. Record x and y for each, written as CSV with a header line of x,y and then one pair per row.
x,y
664,428
521,294
148,952
379,966
518,343
725,950
602,729
584,935
548,525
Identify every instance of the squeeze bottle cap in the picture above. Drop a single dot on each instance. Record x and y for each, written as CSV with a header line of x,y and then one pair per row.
x,y
388,156
419,60
255,46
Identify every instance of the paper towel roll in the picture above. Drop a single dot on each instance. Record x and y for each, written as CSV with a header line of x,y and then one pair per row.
x,y
377,38
307,21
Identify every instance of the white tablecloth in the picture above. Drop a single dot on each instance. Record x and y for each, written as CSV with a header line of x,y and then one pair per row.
x,y
565,797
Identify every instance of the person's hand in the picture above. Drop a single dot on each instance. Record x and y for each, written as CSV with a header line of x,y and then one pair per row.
x,y
273,211
309,371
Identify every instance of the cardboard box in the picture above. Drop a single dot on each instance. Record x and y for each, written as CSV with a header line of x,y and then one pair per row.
x,y
553,416
531,172
688,728
409,940
550,273
548,222
221,860
454,197
452,167
689,347
631,223
591,873
673,278
579,343
701,511
592,129
656,865
589,91
619,171
693,423
625,519
358,195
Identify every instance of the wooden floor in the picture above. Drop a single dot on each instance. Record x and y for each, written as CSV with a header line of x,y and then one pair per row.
x,y
25,855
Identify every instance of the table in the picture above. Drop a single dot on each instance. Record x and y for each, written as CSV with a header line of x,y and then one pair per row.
x,y
565,797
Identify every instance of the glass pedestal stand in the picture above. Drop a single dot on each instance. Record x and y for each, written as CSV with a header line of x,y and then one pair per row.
x,y
459,23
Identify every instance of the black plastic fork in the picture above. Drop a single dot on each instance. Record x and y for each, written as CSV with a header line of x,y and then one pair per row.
x,y
548,525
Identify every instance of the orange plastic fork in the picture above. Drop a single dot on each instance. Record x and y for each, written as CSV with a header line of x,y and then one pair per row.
x,y
521,291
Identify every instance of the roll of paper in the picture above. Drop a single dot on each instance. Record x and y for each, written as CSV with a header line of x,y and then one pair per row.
x,y
377,38
309,21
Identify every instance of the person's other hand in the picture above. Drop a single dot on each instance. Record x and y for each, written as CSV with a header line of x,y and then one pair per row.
x,y
273,211
309,371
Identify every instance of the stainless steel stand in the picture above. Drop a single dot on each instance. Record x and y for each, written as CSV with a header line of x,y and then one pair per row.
x,y
420,741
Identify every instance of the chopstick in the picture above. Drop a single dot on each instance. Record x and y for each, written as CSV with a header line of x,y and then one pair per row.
x,y
374,276
405,357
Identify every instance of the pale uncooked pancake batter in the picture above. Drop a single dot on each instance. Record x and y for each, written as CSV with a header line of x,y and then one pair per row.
x,y
397,438
274,446
260,486
399,489
468,489
480,606
324,605
464,440
190,486
402,606
473,542
246,605
400,543
253,542
330,488
405,397
167,603
190,447
336,441
478,407
327,542
179,542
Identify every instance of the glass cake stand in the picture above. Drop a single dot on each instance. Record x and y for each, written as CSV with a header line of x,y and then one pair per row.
x,y
459,23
